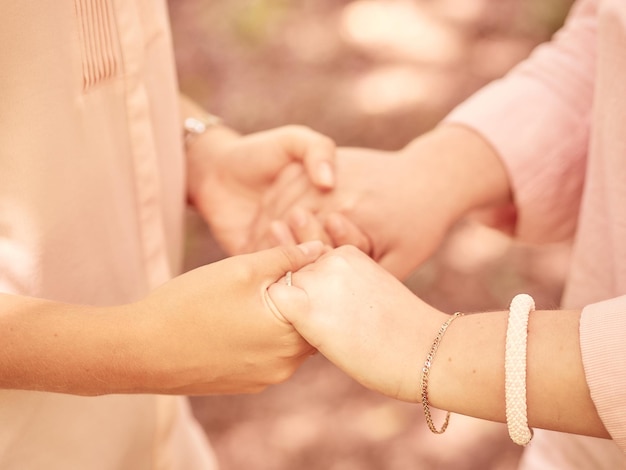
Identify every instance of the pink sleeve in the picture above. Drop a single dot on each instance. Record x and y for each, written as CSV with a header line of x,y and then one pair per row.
x,y
603,346
537,118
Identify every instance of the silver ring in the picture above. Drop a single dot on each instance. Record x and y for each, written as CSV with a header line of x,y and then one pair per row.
x,y
288,278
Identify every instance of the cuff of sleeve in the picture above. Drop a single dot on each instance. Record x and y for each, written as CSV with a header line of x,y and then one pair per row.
x,y
603,347
543,153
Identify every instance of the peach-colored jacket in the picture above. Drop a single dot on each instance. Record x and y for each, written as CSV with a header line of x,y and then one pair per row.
x,y
559,123
91,211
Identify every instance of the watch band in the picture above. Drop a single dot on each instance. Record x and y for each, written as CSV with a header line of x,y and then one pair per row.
x,y
195,126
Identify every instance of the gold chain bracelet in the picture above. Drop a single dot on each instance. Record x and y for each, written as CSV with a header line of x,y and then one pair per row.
x,y
426,372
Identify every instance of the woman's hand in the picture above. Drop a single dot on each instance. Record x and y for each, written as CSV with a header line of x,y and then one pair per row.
x,y
396,206
231,178
362,319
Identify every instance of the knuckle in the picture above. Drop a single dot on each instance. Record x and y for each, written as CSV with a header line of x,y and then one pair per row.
x,y
290,254
336,263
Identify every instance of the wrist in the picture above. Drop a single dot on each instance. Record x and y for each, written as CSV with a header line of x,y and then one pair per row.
x,y
468,377
206,135
164,362
462,168
205,139
113,346
203,153
425,322
136,370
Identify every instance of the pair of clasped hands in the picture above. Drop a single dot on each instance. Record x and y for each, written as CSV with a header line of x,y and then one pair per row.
x,y
347,223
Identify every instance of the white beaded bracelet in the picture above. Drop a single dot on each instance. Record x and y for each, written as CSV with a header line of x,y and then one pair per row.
x,y
515,369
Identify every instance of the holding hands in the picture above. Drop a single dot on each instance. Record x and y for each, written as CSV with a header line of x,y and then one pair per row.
x,y
231,178
396,206
234,342
371,326
211,330
285,186
378,193
358,315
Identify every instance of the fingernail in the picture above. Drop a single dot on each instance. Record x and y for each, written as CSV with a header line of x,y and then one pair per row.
x,y
326,174
315,246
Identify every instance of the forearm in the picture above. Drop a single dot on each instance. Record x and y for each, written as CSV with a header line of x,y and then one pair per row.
x,y
464,171
50,346
467,375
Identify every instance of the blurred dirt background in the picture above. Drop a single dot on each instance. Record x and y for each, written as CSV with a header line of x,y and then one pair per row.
x,y
372,73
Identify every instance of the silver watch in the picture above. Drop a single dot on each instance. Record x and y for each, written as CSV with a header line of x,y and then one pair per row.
x,y
195,126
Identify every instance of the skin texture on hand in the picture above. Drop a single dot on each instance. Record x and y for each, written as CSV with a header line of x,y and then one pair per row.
x,y
214,330
211,330
373,328
230,176
361,318
396,206
379,192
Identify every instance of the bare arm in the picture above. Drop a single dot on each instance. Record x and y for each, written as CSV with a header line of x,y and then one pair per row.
x,y
468,373
60,347
376,330
210,330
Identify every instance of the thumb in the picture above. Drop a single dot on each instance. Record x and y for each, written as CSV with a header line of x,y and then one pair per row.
x,y
288,303
315,151
275,262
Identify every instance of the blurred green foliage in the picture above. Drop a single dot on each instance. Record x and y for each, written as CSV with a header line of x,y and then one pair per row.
x,y
255,21
543,15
